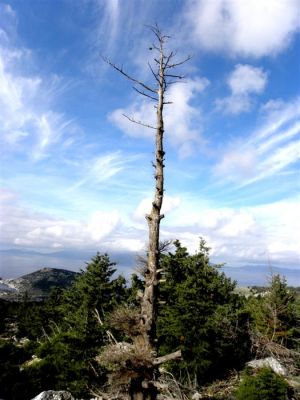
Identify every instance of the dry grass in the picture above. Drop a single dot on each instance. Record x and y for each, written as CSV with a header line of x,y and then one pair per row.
x,y
123,355
126,320
264,347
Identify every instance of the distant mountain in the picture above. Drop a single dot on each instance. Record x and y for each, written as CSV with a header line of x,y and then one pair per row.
x,y
37,285
17,262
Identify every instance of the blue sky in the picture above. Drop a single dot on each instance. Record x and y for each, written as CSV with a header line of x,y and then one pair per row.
x,y
77,176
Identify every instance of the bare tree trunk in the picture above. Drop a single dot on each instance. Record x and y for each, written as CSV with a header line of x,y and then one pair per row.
x,y
149,300
143,387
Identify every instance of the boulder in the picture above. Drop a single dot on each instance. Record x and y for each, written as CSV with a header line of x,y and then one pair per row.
x,y
269,362
53,395
57,395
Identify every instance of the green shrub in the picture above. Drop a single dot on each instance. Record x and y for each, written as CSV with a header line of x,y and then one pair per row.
x,y
264,385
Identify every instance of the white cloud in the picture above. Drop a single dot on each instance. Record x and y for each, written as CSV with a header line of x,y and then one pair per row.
x,y
234,104
129,244
182,119
244,81
55,231
248,28
7,195
27,120
270,150
144,207
112,19
23,227
101,224
142,111
51,129
257,234
237,164
102,168
239,224
109,21
247,79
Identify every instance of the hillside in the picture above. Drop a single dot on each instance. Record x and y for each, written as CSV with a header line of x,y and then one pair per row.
x,y
37,284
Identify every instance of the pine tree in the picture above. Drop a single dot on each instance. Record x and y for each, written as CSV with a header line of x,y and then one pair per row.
x,y
201,315
93,295
76,330
275,318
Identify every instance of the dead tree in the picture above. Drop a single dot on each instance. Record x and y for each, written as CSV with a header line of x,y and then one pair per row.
x,y
144,341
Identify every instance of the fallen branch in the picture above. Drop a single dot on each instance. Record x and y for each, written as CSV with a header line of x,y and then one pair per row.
x,y
169,357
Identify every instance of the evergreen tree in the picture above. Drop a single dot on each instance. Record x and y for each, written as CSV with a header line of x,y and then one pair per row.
x,y
275,316
93,295
76,330
200,314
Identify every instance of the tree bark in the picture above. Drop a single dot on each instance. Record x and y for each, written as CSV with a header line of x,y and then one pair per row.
x,y
142,389
143,386
149,300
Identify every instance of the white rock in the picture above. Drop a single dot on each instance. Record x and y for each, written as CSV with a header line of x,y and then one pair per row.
x,y
269,362
196,396
57,395
53,395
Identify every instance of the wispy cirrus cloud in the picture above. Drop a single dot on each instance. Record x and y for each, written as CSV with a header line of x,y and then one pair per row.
x,y
109,21
103,168
271,149
118,20
28,120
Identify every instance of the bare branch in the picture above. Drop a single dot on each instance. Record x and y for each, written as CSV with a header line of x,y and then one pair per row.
x,y
143,351
157,32
144,94
110,336
168,58
172,82
142,265
164,246
154,47
170,55
169,357
179,63
120,69
153,73
139,122
175,76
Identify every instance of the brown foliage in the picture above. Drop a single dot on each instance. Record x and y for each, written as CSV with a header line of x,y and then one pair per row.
x,y
124,355
126,320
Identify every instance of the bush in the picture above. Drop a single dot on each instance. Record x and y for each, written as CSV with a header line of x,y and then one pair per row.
x,y
264,385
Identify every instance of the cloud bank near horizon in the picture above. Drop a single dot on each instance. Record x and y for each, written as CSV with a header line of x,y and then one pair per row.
x,y
77,174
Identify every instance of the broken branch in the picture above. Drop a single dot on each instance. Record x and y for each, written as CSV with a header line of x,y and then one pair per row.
x,y
120,69
169,357
138,122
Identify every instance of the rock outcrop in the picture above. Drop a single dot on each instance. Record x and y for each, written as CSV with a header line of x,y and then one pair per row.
x,y
269,362
53,395
57,395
